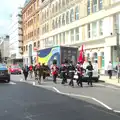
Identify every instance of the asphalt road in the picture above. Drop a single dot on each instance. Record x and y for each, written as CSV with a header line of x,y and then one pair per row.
x,y
23,101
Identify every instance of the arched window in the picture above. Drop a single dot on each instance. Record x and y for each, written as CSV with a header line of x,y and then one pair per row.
x,y
77,13
71,15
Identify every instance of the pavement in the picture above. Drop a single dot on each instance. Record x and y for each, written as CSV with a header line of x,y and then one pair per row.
x,y
113,81
24,100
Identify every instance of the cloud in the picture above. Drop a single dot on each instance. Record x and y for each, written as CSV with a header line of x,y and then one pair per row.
x,y
6,9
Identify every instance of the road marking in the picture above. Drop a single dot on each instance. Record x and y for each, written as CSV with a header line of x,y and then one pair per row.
x,y
21,79
106,106
117,111
12,83
56,90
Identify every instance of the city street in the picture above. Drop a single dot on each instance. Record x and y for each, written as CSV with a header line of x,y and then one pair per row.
x,y
21,100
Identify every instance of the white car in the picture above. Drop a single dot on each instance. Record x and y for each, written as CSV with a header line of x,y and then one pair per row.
x,y
95,76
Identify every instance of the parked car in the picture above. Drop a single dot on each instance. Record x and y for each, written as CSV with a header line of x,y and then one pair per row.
x,y
15,69
4,73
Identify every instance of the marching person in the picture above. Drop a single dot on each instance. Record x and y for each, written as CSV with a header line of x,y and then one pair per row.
x,y
25,71
71,69
79,69
89,69
64,72
31,70
40,71
54,70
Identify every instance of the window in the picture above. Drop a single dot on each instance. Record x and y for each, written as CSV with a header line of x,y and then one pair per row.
x,y
101,27
38,44
53,24
47,12
94,6
47,28
24,48
89,30
67,17
56,39
34,44
71,15
77,34
94,29
38,17
59,21
56,23
63,19
72,35
59,4
88,7
103,61
38,31
100,4
63,3
77,13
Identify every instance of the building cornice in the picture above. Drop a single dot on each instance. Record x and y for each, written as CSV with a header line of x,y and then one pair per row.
x,y
27,6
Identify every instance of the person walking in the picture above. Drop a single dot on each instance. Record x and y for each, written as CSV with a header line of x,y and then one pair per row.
x,y
110,68
54,70
89,69
71,71
79,69
40,72
31,70
25,71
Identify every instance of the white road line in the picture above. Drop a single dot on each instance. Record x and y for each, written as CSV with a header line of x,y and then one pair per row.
x,y
56,90
106,106
117,111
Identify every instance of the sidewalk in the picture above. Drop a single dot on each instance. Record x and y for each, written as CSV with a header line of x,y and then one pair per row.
x,y
113,81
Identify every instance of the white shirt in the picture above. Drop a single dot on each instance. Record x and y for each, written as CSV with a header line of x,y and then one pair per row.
x,y
109,66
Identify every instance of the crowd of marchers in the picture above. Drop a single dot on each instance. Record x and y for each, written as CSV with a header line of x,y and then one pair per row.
x,y
67,70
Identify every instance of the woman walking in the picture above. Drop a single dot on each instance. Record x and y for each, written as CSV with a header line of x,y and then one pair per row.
x,y
25,71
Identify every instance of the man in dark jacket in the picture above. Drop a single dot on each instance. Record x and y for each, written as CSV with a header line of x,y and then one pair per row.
x,y
89,69
71,69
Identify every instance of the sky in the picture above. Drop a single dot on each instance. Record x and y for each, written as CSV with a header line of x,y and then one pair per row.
x,y
6,9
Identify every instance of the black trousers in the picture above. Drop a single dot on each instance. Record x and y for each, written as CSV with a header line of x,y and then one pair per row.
x,y
71,79
54,78
79,80
25,75
110,73
64,78
90,78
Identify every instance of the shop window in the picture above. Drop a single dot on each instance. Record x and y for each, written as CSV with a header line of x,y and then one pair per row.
x,y
103,61
95,56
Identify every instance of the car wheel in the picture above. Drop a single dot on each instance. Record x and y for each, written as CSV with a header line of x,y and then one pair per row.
x,y
8,80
